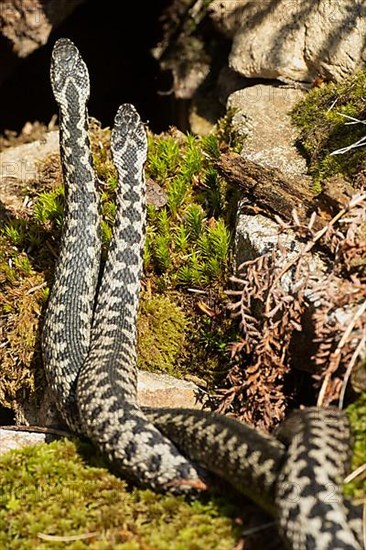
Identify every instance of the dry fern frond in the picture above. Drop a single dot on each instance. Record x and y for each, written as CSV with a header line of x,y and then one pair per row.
x,y
271,310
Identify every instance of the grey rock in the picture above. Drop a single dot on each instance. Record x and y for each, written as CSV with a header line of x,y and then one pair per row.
x,y
162,390
228,16
10,439
263,116
21,164
154,390
293,40
257,235
155,194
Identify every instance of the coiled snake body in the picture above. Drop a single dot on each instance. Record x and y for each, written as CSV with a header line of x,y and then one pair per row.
x,y
89,355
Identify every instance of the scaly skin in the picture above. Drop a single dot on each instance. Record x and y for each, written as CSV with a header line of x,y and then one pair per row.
x,y
89,351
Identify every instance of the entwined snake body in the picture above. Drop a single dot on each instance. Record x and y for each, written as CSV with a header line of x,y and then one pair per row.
x,y
89,354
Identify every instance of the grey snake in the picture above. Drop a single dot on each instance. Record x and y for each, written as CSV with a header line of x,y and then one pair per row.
x,y
89,355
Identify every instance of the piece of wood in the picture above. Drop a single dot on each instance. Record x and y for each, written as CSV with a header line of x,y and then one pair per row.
x,y
276,193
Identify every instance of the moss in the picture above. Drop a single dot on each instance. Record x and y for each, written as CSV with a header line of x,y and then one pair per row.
x,y
161,334
209,335
320,117
177,253
22,295
188,240
229,133
188,244
47,489
191,338
357,415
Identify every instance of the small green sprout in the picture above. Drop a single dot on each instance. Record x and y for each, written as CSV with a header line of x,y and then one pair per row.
x,y
49,207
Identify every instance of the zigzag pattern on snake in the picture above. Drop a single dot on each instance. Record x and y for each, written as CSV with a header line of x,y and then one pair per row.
x,y
89,353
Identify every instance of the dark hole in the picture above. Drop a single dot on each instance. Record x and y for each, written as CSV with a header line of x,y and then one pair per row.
x,y
116,45
6,417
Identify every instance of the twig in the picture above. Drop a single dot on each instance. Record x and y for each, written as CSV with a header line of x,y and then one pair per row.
x,y
38,429
355,473
350,366
70,538
338,350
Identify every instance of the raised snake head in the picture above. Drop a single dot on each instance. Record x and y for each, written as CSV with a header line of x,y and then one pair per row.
x,y
69,74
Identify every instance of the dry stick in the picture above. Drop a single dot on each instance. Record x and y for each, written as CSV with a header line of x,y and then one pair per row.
x,y
67,538
38,429
352,363
35,288
354,201
338,350
360,470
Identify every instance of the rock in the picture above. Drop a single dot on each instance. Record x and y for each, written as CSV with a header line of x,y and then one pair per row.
x,y
263,116
155,194
293,40
154,390
228,16
27,24
11,439
20,164
162,390
257,235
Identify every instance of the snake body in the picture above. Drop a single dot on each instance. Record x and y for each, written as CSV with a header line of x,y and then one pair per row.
x,y
89,352
66,331
88,337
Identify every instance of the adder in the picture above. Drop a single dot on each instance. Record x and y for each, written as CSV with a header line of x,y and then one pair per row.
x,y
89,355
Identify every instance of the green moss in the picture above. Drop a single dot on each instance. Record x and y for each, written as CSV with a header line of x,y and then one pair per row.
x,y
48,490
49,207
188,241
208,339
323,129
188,244
184,166
22,295
26,259
357,416
161,334
229,134
184,339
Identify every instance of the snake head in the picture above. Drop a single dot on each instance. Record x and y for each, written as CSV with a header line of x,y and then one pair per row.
x,y
128,129
68,70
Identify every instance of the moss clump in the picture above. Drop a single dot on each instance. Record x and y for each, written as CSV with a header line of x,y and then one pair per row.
x,y
229,133
22,295
357,416
161,334
28,247
188,244
188,240
47,490
320,116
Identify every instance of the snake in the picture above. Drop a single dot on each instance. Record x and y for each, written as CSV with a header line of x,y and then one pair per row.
x,y
90,359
